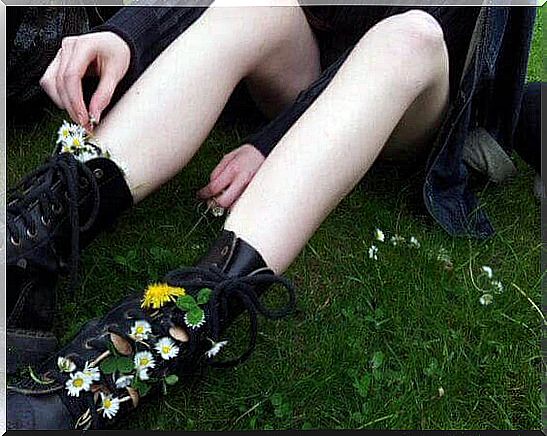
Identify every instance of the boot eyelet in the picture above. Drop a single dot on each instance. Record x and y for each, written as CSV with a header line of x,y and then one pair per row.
x,y
15,242
33,234
57,208
98,173
47,376
44,221
224,251
87,346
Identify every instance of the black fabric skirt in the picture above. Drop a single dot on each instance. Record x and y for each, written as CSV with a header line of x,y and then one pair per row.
x,y
338,28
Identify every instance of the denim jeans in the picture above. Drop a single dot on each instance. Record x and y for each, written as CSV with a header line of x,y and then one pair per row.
x,y
489,100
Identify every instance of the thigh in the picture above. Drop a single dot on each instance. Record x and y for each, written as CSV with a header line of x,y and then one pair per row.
x,y
277,80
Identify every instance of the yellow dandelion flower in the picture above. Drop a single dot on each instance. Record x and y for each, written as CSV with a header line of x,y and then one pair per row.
x,y
157,294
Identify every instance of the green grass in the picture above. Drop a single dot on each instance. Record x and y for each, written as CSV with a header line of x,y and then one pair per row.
x,y
372,342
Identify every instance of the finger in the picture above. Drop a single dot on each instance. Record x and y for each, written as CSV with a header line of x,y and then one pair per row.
x,y
73,74
223,164
47,82
232,194
103,94
66,52
216,186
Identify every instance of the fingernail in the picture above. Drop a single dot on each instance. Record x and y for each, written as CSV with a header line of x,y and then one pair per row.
x,y
94,119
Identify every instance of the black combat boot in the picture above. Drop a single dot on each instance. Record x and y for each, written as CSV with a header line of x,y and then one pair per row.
x,y
147,341
51,214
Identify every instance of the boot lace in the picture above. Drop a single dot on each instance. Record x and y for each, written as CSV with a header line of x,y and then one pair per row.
x,y
226,289
62,168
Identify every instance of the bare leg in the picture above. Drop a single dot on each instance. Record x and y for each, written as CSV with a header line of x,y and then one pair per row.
x,y
164,118
392,89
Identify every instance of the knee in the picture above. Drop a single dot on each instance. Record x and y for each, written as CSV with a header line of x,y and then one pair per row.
x,y
414,36
418,32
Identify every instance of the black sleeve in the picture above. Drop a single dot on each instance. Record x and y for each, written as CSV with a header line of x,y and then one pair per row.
x,y
148,31
267,138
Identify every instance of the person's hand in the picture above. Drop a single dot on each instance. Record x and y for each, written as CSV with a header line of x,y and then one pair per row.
x,y
232,175
103,54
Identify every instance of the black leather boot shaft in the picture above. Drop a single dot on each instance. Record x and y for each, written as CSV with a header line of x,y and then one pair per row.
x,y
40,242
233,256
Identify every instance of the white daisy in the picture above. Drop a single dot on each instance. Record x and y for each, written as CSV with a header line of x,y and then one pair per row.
x,y
64,132
143,361
92,372
140,330
76,142
486,299
373,252
214,350
414,242
109,405
124,381
396,240
78,382
498,286
65,365
488,271
167,348
379,235
77,130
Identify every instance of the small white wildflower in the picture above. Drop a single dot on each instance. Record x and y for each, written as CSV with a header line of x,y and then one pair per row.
x,y
78,382
441,392
167,348
140,330
64,132
91,372
76,142
379,235
109,405
498,286
124,381
65,365
143,361
216,347
373,252
486,299
396,240
414,242
488,271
